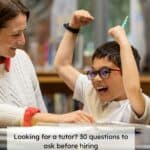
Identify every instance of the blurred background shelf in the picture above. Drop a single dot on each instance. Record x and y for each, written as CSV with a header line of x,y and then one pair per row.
x,y
51,83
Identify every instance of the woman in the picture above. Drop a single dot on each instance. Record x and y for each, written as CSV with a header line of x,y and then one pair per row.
x,y
20,95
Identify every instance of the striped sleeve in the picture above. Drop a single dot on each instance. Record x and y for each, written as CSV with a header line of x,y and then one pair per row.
x,y
11,115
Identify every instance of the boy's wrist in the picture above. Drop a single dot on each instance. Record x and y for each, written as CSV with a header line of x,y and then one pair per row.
x,y
123,42
70,28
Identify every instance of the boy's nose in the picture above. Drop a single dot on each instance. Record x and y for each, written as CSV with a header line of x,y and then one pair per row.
x,y
97,77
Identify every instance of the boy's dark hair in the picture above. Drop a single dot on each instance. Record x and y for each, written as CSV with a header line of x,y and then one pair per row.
x,y
111,50
10,9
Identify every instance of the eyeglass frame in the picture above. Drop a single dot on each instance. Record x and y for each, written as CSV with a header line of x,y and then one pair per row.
x,y
99,72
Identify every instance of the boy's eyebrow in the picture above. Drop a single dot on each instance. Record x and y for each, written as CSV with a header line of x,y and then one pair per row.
x,y
108,66
92,68
96,69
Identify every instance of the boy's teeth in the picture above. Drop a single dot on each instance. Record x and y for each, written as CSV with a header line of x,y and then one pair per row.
x,y
99,88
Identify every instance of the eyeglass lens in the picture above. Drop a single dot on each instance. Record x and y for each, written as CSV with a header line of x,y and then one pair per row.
x,y
103,73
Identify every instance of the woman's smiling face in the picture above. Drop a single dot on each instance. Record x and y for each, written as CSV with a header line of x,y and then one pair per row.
x,y
12,36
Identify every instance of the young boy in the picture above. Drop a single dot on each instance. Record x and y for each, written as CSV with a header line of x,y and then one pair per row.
x,y
113,92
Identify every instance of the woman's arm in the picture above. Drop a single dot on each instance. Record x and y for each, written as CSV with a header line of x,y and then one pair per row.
x,y
11,115
72,117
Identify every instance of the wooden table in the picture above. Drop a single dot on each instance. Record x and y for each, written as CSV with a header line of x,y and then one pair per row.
x,y
50,83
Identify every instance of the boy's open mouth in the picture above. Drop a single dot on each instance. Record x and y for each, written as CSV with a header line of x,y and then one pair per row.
x,y
102,89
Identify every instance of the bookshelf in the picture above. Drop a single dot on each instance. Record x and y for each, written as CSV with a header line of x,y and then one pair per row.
x,y
50,83
145,83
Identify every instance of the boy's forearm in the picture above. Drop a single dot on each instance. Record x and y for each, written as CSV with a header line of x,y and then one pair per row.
x,y
65,51
129,68
63,58
131,79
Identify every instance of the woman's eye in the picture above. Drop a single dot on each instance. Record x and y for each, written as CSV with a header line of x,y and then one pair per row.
x,y
16,34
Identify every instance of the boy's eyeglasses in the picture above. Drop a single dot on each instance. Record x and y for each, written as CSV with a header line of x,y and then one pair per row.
x,y
104,72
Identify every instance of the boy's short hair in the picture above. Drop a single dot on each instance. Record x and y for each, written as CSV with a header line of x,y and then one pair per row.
x,y
111,50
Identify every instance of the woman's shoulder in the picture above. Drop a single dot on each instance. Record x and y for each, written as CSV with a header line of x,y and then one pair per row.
x,y
20,52
21,57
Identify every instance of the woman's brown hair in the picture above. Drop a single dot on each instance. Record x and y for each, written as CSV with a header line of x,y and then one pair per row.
x,y
10,9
